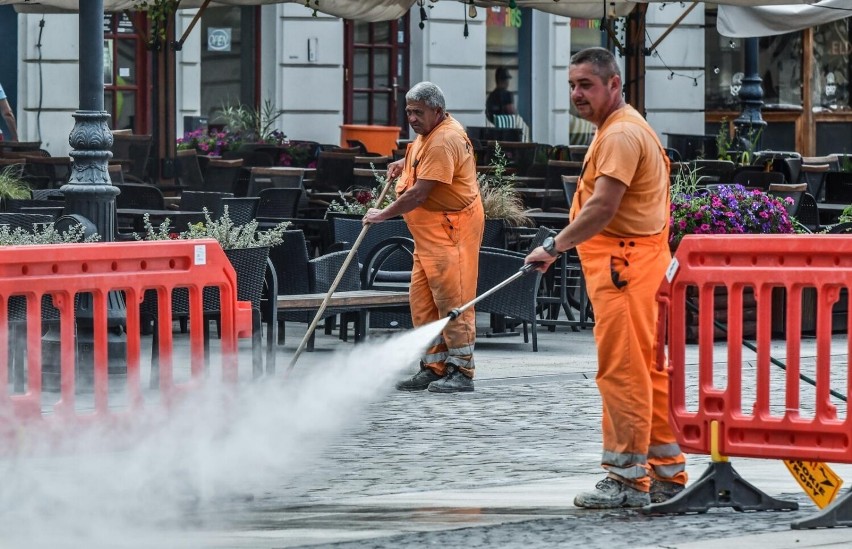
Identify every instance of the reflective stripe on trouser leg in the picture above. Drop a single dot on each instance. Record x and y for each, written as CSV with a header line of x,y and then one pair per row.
x,y
622,277
446,264
462,358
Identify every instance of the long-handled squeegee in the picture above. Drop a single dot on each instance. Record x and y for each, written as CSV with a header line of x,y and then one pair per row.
x,y
528,268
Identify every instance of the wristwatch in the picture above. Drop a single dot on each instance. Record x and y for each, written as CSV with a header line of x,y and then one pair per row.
x,y
549,246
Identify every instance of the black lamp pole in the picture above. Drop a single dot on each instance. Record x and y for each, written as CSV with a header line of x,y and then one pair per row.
x,y
90,199
750,122
90,192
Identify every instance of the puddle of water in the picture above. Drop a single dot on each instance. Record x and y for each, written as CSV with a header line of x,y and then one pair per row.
x,y
212,446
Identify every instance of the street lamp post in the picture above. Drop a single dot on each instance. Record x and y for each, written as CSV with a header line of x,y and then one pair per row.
x,y
90,198
750,123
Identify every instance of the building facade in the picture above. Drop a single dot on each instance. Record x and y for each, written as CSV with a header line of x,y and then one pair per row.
x,y
324,72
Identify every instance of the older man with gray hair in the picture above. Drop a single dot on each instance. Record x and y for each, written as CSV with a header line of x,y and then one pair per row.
x,y
438,196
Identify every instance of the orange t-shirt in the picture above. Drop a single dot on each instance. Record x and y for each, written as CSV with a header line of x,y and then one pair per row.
x,y
626,148
445,155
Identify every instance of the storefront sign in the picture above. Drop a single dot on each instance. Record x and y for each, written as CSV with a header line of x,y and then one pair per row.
x,y
504,17
218,39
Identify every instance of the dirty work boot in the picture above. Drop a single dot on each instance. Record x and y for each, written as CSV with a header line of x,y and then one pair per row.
x,y
419,381
610,494
453,382
664,490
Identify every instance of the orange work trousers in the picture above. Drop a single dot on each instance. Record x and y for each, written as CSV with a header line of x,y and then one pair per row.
x,y
446,265
622,278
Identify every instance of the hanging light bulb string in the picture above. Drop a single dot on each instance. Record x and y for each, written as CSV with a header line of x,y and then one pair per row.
x,y
423,17
673,73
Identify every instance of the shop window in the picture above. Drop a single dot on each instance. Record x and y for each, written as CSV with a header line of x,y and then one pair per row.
x,y
501,47
779,65
228,60
832,50
833,138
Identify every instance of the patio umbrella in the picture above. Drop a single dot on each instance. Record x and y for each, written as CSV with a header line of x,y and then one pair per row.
x,y
750,22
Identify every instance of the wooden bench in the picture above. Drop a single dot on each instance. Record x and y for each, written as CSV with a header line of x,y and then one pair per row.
x,y
358,299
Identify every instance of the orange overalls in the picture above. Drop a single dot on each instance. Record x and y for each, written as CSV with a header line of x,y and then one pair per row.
x,y
446,265
622,277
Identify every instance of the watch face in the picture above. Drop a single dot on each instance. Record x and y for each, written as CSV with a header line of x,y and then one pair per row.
x,y
549,245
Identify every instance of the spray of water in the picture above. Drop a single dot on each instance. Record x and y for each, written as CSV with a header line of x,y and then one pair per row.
x,y
212,446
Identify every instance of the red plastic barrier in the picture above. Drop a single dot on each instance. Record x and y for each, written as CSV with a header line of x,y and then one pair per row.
x,y
131,268
752,427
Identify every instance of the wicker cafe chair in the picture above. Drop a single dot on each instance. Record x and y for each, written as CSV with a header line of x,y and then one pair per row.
x,y
277,204
808,213
296,274
517,300
136,149
196,201
240,210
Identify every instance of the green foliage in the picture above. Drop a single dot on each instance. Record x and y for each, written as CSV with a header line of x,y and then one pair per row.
x,y
254,124
845,215
358,201
723,141
223,230
686,180
499,198
160,13
845,163
43,234
12,184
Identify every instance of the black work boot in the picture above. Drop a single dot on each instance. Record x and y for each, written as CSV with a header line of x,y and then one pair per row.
x,y
419,381
453,382
664,490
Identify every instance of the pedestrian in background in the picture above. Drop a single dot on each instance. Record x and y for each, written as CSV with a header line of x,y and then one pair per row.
x,y
8,115
500,100
438,196
619,224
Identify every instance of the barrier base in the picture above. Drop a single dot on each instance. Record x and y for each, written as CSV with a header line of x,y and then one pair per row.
x,y
838,513
719,486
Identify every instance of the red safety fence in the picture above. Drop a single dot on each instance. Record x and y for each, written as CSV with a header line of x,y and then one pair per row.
x,y
89,289
767,412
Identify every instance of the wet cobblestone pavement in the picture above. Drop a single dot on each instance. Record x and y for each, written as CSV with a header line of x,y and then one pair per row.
x,y
509,433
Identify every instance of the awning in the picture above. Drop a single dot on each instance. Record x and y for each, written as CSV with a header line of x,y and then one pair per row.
x,y
383,10
751,22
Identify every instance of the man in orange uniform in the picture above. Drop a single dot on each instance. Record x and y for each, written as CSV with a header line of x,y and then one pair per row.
x,y
619,225
438,196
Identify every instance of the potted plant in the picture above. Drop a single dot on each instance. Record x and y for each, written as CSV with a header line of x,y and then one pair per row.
x,y
725,209
503,206
246,247
12,184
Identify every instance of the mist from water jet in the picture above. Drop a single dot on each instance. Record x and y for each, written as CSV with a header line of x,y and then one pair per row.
x,y
216,443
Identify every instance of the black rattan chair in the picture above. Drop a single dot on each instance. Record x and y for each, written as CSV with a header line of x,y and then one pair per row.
x,y
196,201
135,150
278,203
141,196
240,210
297,274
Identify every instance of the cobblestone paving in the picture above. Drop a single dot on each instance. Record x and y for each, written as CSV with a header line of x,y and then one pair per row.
x,y
504,433
498,434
